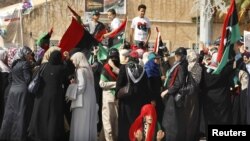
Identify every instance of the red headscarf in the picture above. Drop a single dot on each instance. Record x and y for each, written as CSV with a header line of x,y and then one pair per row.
x,y
146,110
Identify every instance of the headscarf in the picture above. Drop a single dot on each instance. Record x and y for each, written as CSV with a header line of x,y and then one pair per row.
x,y
79,60
147,110
152,69
191,58
123,54
48,53
193,66
11,55
55,58
20,54
135,69
140,52
3,66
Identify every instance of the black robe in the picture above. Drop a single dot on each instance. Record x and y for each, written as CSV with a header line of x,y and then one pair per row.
x,y
130,107
17,110
215,96
3,86
174,120
47,121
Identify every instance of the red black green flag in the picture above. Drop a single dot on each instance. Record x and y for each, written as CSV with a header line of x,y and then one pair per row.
x,y
76,37
231,34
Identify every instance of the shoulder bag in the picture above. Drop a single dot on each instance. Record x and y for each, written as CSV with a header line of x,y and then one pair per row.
x,y
124,91
36,81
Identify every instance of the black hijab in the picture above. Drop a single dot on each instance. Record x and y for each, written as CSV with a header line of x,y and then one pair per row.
x,y
55,58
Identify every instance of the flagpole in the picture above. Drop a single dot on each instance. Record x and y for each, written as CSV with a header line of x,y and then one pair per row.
x,y
46,5
125,31
21,25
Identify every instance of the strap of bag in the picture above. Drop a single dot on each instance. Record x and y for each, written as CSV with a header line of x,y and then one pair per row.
x,y
42,68
126,68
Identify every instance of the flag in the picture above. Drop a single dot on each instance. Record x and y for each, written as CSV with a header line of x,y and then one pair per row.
x,y
44,40
102,53
76,37
100,30
78,17
231,34
158,41
120,29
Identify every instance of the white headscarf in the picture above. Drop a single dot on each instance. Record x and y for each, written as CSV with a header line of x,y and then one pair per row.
x,y
80,61
3,66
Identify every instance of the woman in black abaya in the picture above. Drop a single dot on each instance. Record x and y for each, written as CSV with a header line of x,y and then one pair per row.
x,y
16,115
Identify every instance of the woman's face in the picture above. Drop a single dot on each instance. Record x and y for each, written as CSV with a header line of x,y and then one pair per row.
x,y
148,119
29,57
177,58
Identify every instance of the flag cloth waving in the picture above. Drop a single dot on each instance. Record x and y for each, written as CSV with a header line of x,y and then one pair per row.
x,y
76,36
158,41
120,29
231,34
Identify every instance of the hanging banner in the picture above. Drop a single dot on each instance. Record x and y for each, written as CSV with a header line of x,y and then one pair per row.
x,y
26,6
104,5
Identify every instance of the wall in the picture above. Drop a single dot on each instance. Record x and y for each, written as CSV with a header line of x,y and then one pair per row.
x,y
4,3
172,17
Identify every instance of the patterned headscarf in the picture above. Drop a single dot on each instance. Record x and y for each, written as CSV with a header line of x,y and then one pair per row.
x,y
11,55
21,53
191,58
3,66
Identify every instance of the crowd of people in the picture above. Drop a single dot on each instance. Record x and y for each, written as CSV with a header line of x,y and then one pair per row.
x,y
79,97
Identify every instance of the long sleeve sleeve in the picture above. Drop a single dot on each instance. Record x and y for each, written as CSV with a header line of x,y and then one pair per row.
x,y
107,84
81,81
178,83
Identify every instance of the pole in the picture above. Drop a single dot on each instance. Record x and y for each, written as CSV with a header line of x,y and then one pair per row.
x,y
197,23
47,18
205,24
125,30
21,25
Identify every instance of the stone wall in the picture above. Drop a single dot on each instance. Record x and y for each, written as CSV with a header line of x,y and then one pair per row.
x,y
173,18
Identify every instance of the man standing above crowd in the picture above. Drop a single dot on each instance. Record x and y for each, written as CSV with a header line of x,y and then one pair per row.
x,y
115,23
140,28
95,25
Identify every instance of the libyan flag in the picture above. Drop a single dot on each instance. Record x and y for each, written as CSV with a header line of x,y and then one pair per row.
x,y
103,51
76,36
231,34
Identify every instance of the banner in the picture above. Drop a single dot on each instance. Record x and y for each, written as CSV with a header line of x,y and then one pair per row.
x,y
105,5
27,6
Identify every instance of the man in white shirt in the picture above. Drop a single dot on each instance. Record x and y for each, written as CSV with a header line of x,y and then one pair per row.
x,y
115,23
140,28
